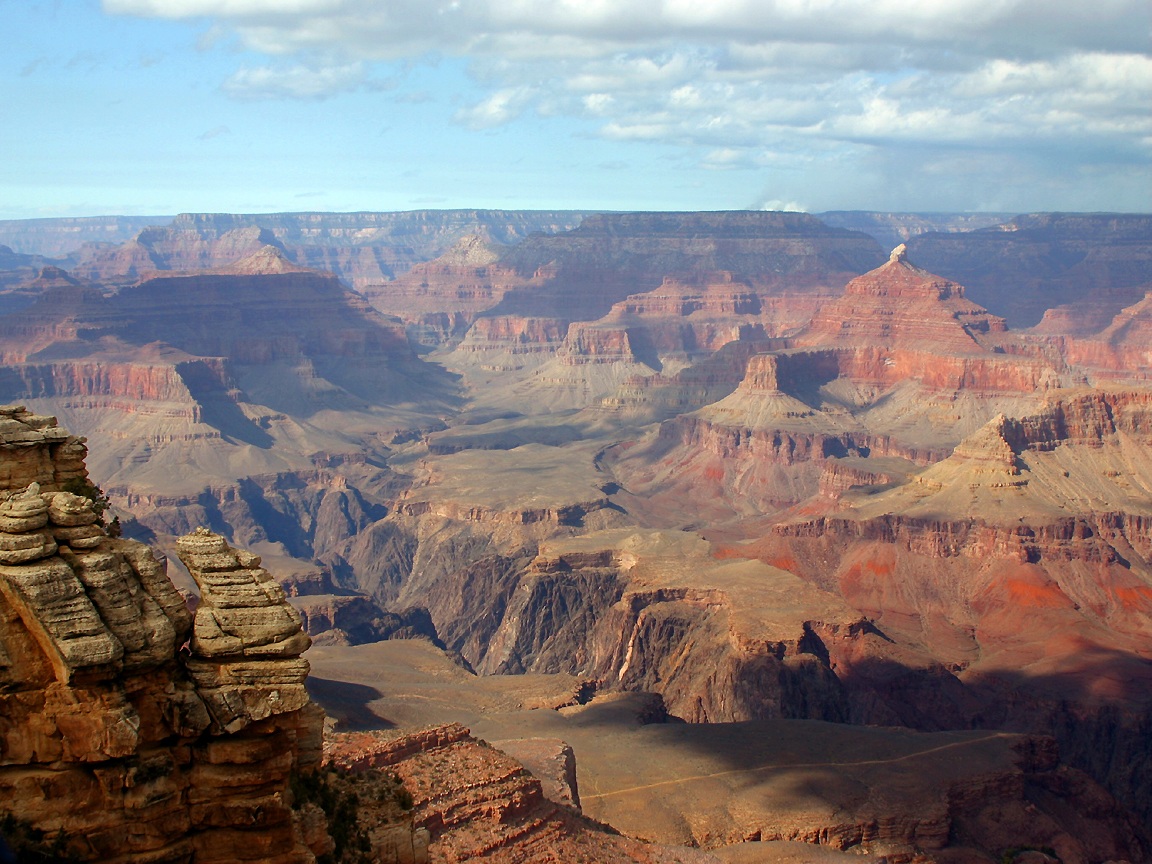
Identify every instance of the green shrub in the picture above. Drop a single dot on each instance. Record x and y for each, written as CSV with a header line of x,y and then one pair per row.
x,y
85,488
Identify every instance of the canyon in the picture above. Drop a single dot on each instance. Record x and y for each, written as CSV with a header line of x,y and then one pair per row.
x,y
663,488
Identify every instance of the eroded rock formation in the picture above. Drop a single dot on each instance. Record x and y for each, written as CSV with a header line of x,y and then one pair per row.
x,y
362,248
1090,264
477,802
130,729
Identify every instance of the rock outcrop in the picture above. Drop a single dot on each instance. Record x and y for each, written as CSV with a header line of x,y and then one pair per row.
x,y
1122,350
1094,263
901,365
476,802
1020,566
131,730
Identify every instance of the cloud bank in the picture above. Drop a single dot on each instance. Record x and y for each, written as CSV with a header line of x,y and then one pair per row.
x,y
1037,86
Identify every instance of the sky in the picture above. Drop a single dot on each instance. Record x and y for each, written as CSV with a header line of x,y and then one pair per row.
x,y
155,107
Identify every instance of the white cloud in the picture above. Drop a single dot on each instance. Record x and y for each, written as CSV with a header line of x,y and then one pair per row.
x,y
498,109
382,26
741,82
781,204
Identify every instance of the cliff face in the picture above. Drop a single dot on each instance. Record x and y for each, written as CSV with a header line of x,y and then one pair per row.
x,y
646,296
301,314
1120,351
900,304
610,256
222,387
476,802
360,248
58,237
1094,263
900,365
113,737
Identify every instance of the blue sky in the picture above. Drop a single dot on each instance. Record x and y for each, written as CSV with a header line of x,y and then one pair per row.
x,y
163,106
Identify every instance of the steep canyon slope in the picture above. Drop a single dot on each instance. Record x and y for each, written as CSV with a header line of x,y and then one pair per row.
x,y
738,460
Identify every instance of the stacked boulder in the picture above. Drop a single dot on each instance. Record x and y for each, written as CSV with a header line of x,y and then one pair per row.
x,y
246,639
131,730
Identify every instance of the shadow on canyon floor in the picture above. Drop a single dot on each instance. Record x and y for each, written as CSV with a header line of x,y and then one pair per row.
x,y
347,703
1098,714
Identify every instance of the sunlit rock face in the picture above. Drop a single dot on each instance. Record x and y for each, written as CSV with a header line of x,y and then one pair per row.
x,y
129,727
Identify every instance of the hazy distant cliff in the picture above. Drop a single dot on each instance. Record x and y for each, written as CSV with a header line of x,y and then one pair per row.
x,y
358,247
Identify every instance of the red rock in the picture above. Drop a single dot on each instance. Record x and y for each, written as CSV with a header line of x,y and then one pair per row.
x,y
478,802
104,732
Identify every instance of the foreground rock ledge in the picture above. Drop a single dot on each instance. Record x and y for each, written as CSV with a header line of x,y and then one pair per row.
x,y
128,730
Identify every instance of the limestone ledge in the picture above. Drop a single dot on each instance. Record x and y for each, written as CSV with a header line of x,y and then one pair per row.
x,y
136,730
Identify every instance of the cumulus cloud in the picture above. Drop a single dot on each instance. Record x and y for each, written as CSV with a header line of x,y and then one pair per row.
x,y
741,83
383,27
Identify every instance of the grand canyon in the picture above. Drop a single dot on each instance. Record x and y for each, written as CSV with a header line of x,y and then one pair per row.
x,y
525,536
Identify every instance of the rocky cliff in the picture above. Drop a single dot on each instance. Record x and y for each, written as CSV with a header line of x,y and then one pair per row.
x,y
902,364
131,729
59,237
360,248
212,397
610,256
1095,263
1120,350
1020,567
476,802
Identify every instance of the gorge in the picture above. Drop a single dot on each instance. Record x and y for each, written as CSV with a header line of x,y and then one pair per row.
x,y
792,542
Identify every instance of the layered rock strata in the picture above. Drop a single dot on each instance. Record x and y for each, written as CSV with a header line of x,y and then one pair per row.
x,y
1089,264
901,365
361,248
114,738
477,802
1020,566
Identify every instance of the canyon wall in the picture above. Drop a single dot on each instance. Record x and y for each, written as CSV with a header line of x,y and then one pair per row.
x,y
1093,263
360,248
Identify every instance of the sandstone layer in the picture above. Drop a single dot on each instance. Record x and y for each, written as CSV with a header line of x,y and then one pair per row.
x,y
476,802
702,456
116,742
361,248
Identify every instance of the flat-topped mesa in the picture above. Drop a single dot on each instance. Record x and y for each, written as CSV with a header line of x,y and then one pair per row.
x,y
246,638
